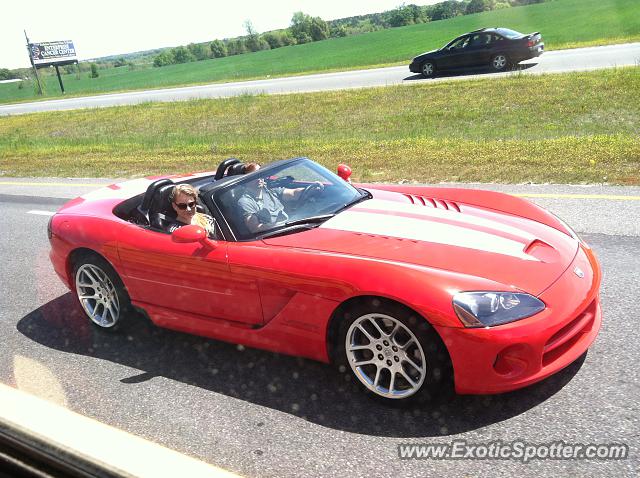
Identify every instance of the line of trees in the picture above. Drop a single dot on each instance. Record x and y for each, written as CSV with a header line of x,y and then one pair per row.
x,y
305,28
6,74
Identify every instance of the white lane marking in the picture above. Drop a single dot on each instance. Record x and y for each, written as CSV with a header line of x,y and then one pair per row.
x,y
41,213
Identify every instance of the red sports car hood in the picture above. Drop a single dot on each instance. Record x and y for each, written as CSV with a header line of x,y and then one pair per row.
x,y
456,237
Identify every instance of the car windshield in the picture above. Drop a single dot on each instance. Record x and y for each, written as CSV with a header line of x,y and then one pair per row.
x,y
292,197
508,33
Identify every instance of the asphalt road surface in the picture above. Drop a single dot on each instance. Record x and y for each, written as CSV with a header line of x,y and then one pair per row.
x,y
264,415
580,59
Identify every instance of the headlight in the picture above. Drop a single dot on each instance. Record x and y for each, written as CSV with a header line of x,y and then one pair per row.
x,y
485,309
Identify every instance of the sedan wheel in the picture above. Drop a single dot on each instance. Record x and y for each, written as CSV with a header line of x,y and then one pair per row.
x,y
499,62
428,69
100,292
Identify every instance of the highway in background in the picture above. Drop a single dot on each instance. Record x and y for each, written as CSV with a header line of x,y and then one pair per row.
x,y
580,59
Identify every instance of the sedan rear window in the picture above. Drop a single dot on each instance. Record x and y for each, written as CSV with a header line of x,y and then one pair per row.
x,y
508,33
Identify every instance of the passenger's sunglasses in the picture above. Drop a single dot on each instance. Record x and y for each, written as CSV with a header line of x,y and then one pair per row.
x,y
183,206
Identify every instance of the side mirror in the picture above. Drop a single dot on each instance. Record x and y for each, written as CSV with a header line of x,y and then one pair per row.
x,y
344,171
190,234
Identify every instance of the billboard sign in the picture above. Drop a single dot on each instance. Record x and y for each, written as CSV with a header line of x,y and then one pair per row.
x,y
52,53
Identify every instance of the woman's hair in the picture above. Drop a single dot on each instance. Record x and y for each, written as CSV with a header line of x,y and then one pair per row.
x,y
201,220
187,189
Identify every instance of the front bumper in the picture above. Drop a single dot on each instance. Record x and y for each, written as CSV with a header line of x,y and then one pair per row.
x,y
414,67
512,356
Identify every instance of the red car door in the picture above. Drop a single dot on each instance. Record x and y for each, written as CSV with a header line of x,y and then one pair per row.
x,y
188,277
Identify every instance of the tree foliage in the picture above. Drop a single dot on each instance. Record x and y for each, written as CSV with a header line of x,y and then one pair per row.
x,y
200,51
164,58
305,28
279,38
405,15
236,46
6,74
477,6
218,49
182,55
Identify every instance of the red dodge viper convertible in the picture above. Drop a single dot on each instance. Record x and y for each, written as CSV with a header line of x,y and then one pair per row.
x,y
407,287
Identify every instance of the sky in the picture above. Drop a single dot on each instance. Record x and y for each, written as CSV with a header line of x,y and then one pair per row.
x,y
102,28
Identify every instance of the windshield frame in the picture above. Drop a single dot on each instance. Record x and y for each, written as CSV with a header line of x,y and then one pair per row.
x,y
214,196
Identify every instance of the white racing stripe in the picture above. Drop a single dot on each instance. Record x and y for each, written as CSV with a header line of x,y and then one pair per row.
x,y
454,218
408,228
41,213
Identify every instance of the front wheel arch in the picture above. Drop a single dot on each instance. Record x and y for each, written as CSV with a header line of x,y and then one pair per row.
x,y
334,322
353,307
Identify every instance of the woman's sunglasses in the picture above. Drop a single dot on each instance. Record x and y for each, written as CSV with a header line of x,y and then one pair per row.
x,y
183,206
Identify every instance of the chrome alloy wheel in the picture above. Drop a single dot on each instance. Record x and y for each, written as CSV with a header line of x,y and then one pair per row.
x,y
385,356
97,295
499,62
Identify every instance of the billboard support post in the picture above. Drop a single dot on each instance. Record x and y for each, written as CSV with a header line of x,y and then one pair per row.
x,y
35,70
59,79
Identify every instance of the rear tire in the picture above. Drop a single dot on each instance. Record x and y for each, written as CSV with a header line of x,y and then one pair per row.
x,y
100,292
499,62
394,354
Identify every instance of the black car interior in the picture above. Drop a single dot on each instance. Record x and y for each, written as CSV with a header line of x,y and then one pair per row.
x,y
153,208
234,165
161,214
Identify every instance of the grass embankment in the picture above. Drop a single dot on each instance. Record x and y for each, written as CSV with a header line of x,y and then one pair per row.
x,y
566,128
563,23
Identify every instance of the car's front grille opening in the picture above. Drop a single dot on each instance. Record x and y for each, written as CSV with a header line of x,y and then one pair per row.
x,y
569,335
433,202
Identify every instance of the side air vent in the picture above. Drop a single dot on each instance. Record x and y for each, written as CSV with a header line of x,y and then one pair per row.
x,y
433,202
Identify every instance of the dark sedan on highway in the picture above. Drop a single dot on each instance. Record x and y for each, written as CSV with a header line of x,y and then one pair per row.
x,y
497,48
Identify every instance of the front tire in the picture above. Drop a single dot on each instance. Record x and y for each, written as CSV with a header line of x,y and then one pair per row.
x,y
428,69
499,62
394,354
100,292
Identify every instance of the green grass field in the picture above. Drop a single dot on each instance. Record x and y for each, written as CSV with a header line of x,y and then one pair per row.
x,y
564,128
563,23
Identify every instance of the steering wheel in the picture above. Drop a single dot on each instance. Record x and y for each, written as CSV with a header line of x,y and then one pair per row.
x,y
310,191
